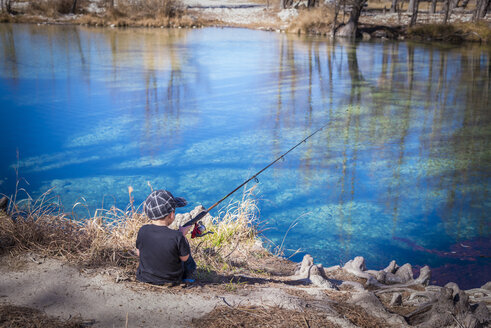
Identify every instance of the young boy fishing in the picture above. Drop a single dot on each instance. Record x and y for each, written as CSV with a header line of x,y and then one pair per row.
x,y
165,256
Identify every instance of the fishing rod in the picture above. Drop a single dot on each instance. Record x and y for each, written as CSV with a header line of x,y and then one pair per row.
x,y
202,214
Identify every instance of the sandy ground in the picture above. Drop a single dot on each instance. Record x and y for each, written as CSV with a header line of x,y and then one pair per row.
x,y
64,291
61,290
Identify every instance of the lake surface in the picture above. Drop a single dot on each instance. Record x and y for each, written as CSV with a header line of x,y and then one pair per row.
x,y
401,171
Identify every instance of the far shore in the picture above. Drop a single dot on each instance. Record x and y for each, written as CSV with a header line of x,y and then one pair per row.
x,y
375,23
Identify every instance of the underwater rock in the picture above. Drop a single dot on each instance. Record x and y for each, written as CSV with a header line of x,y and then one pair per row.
x,y
396,299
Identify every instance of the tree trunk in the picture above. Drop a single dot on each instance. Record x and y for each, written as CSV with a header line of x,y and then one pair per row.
x,y
311,3
335,19
447,11
393,8
349,30
410,7
414,16
433,6
481,10
74,7
465,3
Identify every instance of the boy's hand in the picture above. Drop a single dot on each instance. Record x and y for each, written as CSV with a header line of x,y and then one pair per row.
x,y
185,230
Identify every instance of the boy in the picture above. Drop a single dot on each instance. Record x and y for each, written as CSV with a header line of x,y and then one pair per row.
x,y
165,256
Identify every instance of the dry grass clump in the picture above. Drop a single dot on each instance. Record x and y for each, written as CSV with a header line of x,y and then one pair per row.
x,y
313,21
250,316
452,32
108,237
22,317
234,229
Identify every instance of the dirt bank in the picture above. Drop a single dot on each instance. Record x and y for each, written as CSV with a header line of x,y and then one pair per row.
x,y
265,15
307,294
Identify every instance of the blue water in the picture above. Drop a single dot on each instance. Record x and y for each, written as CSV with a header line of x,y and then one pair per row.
x,y
401,170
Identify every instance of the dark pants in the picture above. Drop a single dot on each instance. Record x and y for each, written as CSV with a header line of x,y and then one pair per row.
x,y
189,267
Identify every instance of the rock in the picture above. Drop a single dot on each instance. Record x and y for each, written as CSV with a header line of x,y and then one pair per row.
x,y
365,36
317,279
405,272
424,276
482,314
307,262
355,285
332,268
487,286
396,300
372,305
371,281
471,322
391,279
381,276
356,265
444,307
461,302
182,218
313,274
454,287
392,267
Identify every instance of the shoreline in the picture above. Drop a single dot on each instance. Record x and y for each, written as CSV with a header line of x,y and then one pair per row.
x,y
49,266
373,24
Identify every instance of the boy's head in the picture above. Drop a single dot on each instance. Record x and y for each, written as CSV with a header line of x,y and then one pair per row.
x,y
161,203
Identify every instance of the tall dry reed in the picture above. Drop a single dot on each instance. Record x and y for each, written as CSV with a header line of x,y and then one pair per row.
x,y
108,237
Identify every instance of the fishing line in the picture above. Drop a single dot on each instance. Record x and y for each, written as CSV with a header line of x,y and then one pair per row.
x,y
254,177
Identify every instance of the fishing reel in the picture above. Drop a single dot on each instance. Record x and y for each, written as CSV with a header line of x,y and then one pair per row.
x,y
199,230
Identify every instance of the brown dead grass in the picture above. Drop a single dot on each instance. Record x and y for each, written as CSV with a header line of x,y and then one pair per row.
x,y
108,238
224,317
23,317
452,32
358,316
313,21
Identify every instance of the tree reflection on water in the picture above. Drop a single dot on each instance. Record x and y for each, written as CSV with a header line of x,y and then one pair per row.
x,y
405,153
